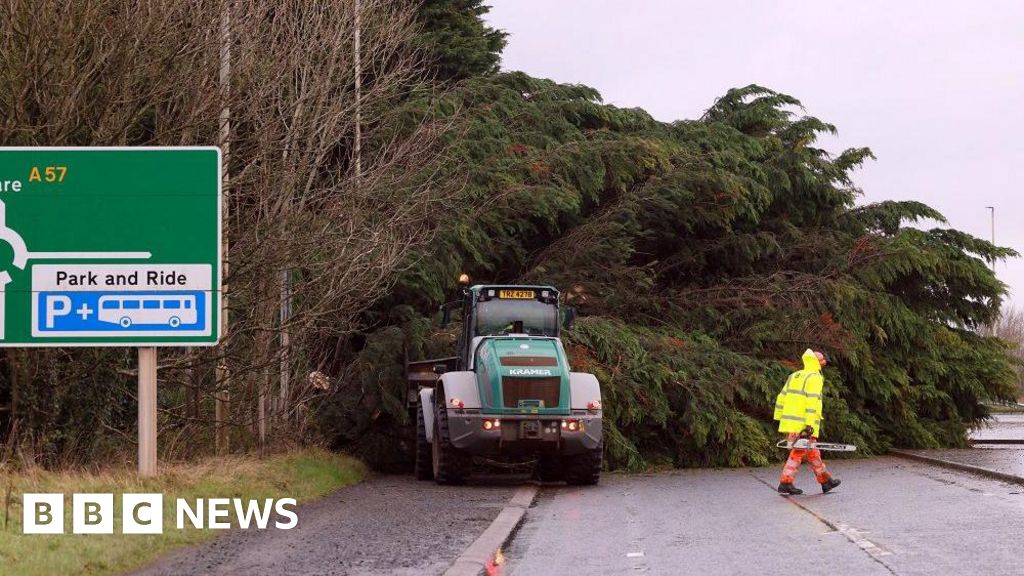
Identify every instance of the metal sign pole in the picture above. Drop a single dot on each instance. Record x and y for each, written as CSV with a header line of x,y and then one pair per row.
x,y
147,411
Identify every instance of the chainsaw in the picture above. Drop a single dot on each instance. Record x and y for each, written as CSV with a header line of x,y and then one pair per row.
x,y
805,444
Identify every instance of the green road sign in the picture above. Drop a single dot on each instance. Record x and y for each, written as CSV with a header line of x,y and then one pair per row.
x,y
109,246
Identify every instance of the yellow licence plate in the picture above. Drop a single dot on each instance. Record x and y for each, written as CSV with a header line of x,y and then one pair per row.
x,y
516,294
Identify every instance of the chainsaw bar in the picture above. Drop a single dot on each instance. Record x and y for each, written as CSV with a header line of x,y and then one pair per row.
x,y
804,444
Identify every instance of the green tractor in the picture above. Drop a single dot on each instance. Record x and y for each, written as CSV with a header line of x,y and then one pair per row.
x,y
508,393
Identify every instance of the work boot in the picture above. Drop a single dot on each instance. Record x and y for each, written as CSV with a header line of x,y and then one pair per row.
x,y
830,484
787,489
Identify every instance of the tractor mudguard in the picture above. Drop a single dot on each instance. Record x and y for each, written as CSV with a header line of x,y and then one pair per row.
x,y
427,407
583,389
461,385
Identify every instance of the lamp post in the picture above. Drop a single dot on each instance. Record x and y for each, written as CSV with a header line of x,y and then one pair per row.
x,y
992,210
994,326
359,93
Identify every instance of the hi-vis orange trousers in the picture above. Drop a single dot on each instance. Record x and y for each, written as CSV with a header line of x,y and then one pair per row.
x,y
796,457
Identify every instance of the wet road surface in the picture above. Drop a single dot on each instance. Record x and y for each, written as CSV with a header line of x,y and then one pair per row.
x,y
890,516
386,525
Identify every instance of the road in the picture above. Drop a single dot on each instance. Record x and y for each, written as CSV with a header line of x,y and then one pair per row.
x,y
1002,426
890,516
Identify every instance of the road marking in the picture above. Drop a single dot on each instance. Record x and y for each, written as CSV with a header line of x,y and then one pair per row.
x,y
634,554
89,255
877,553
856,536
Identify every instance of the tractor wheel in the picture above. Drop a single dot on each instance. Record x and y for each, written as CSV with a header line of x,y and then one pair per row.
x,y
424,466
549,468
584,469
449,465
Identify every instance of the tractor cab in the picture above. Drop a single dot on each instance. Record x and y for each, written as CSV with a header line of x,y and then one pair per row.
x,y
497,311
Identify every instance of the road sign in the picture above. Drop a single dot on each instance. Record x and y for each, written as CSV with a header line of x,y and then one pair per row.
x,y
109,246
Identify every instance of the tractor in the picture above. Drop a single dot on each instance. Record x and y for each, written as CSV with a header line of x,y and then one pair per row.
x,y
508,393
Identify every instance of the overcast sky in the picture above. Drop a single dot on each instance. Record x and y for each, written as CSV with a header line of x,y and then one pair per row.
x,y
935,89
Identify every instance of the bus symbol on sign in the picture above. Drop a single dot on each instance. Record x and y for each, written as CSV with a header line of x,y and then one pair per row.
x,y
128,309
129,313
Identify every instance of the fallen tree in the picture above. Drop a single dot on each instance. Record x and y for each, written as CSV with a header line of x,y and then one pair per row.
x,y
705,256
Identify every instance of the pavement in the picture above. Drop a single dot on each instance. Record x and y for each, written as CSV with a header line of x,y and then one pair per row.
x,y
998,459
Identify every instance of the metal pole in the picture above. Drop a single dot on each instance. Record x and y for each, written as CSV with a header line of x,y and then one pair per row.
x,y
359,96
992,209
147,411
261,407
221,402
285,366
993,328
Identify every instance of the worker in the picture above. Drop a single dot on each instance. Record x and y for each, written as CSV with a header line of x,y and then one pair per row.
x,y
798,410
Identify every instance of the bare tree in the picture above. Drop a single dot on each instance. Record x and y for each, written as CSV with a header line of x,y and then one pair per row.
x,y
314,238
1010,328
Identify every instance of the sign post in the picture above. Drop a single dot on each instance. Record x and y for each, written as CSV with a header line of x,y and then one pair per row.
x,y
112,247
147,411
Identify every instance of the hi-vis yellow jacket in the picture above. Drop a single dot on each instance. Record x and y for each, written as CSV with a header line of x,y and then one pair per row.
x,y
799,403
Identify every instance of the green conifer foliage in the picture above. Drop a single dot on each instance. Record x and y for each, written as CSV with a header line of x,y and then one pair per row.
x,y
455,40
710,254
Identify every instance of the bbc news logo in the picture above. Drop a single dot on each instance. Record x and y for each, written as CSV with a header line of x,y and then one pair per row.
x,y
144,513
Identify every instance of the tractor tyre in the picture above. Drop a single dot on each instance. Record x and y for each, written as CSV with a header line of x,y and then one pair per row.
x,y
450,466
550,468
584,469
424,466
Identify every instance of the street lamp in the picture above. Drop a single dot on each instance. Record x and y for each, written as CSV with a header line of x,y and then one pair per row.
x,y
992,210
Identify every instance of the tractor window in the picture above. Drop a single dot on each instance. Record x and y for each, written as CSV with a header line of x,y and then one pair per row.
x,y
533,317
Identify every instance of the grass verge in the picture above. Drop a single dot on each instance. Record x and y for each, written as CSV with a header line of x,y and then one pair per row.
x,y
302,475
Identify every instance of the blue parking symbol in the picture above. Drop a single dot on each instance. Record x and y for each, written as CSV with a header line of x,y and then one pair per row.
x,y
89,313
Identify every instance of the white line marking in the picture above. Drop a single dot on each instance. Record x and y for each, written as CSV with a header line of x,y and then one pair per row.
x,y
5,279
634,554
855,536
852,534
84,255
